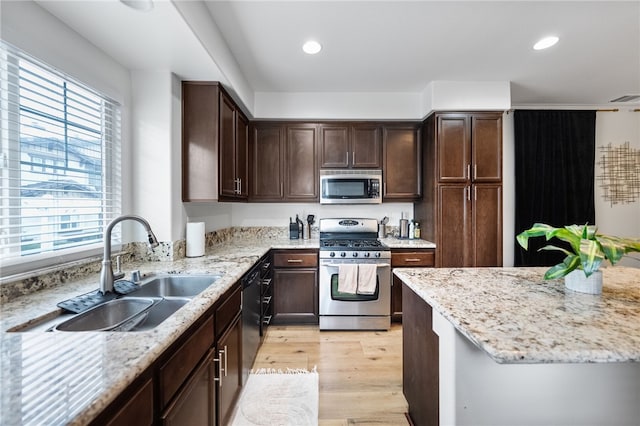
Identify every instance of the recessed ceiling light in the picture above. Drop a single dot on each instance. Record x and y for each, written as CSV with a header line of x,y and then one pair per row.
x,y
546,43
142,5
311,47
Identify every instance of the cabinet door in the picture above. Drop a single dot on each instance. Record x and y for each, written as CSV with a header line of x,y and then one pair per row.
x,y
334,146
301,164
195,404
266,163
366,147
295,296
486,140
227,148
454,217
229,371
138,410
242,151
453,148
199,141
401,163
487,225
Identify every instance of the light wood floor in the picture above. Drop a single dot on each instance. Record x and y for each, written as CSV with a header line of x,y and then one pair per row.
x,y
360,371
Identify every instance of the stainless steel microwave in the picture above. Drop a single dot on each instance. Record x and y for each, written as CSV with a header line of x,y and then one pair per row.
x,y
350,186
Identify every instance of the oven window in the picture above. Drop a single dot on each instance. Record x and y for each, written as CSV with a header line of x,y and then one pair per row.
x,y
345,188
348,297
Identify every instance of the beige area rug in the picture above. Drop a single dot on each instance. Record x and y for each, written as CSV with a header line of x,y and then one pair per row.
x,y
278,397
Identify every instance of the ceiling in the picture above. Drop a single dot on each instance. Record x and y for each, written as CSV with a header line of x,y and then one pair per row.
x,y
383,46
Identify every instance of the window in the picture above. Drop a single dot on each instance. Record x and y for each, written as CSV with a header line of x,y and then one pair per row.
x,y
60,153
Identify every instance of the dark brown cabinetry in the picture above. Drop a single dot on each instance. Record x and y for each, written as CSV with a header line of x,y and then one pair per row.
x,y
401,163
284,162
214,144
133,407
462,204
229,370
420,360
406,258
234,145
348,145
295,287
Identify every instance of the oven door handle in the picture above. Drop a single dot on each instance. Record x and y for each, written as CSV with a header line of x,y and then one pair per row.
x,y
335,265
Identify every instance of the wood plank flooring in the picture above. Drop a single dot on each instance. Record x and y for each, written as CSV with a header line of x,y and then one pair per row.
x,y
360,371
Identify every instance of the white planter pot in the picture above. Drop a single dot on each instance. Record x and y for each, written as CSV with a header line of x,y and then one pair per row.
x,y
576,280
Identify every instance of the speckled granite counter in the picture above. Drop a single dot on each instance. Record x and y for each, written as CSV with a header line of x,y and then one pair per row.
x,y
398,243
516,317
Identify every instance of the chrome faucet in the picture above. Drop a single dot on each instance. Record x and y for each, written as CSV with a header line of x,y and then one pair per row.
x,y
106,274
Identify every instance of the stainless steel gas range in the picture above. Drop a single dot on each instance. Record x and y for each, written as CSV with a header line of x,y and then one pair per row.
x,y
355,276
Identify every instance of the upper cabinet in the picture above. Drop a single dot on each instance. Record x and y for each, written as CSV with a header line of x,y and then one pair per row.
x,y
350,145
401,170
234,145
284,162
469,147
214,144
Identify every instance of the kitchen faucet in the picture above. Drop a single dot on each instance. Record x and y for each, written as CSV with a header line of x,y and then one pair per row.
x,y
106,274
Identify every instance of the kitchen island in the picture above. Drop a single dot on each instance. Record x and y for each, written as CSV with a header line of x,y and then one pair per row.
x,y
501,346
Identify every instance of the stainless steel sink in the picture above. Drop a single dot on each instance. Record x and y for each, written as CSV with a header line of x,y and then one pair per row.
x,y
158,297
175,286
107,316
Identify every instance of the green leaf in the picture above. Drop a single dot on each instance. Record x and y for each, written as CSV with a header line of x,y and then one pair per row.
x,y
561,269
591,256
537,230
551,247
568,234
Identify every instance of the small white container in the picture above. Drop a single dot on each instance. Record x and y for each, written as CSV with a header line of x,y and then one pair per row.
x,y
576,280
195,239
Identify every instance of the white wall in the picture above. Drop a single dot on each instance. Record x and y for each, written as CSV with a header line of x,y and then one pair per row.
x,y
508,190
466,96
623,220
346,106
156,175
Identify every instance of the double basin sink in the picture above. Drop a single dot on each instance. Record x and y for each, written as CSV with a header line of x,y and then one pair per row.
x,y
157,298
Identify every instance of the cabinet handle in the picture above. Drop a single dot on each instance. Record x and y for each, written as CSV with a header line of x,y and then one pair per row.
x,y
219,361
225,360
347,158
294,260
412,260
267,300
467,189
353,157
475,171
281,189
475,193
266,282
468,176
267,319
239,186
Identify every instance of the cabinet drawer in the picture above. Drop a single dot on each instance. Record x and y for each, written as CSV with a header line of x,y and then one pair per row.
x,y
176,370
295,260
227,311
413,258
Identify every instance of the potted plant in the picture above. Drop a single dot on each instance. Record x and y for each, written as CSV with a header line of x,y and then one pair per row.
x,y
588,250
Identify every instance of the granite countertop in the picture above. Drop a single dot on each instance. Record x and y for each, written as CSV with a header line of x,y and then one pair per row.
x,y
69,378
517,317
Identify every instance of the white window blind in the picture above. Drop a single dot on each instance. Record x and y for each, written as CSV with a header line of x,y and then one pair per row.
x,y
60,170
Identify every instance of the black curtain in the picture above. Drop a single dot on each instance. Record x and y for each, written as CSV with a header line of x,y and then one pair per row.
x,y
555,155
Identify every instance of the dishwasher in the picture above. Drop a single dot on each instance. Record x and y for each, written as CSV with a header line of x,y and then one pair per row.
x,y
251,312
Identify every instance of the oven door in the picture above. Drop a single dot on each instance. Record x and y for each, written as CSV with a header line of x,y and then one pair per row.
x,y
332,302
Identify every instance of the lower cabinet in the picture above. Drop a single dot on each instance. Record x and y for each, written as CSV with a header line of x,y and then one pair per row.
x,y
295,287
137,409
420,361
411,258
229,370
193,406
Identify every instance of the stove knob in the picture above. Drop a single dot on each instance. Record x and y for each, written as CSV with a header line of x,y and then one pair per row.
x,y
355,254
377,254
332,254
367,254
343,254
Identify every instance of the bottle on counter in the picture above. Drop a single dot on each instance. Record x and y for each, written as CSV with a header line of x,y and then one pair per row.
x,y
412,230
417,231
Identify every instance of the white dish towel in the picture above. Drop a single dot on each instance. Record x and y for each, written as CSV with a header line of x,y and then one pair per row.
x,y
367,278
348,278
